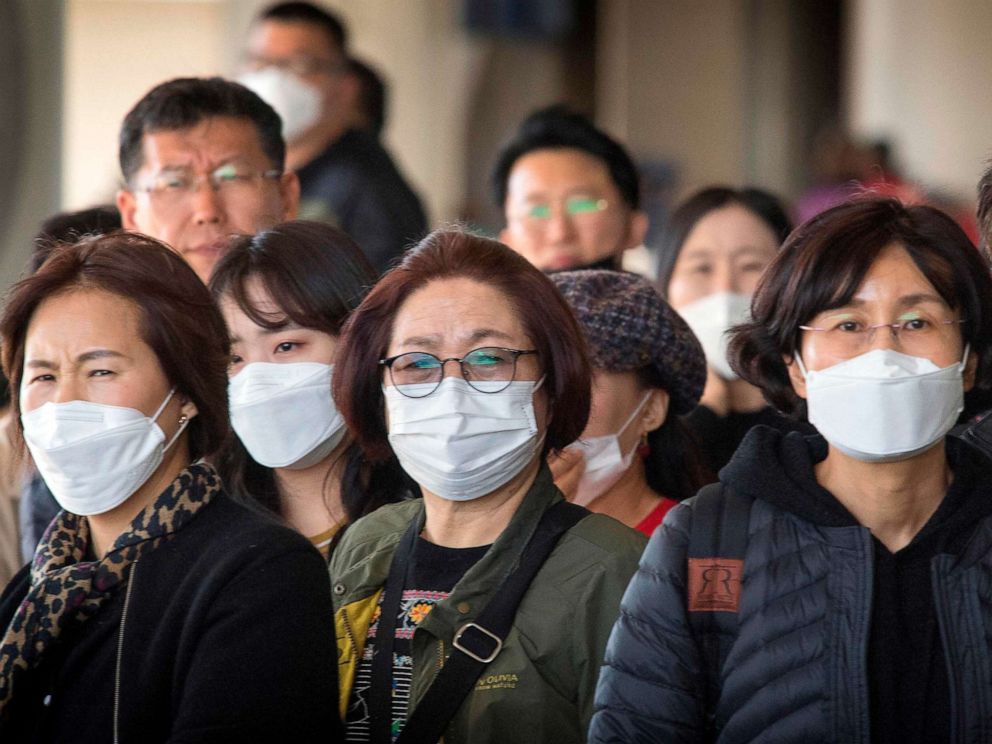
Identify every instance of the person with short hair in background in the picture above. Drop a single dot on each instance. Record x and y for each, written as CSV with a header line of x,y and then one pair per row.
x,y
156,609
635,460
832,587
466,363
370,108
296,58
202,159
286,294
711,255
569,192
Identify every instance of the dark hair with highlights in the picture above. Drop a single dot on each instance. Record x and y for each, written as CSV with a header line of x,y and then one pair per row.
x,y
185,102
450,254
822,265
687,215
316,275
179,320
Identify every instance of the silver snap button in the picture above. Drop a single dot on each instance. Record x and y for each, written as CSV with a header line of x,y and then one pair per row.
x,y
339,589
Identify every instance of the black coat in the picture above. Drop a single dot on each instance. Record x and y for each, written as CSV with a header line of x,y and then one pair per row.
x,y
228,638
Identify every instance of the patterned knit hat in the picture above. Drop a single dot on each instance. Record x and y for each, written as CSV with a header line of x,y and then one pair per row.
x,y
629,326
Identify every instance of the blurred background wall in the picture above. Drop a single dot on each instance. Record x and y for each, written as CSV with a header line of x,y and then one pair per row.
x,y
702,91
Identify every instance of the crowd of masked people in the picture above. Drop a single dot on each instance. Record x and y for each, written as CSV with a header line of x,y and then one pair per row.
x,y
344,479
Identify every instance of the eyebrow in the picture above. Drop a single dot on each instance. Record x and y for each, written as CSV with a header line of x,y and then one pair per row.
x,y
87,356
431,342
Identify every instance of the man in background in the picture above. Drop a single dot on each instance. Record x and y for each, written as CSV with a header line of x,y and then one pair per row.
x,y
569,193
297,60
202,159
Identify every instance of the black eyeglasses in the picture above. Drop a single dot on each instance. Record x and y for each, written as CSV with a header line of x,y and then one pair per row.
x,y
489,369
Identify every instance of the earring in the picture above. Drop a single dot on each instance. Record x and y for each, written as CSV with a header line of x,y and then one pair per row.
x,y
183,418
644,449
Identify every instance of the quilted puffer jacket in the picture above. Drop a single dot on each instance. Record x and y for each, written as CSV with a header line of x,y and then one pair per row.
x,y
798,669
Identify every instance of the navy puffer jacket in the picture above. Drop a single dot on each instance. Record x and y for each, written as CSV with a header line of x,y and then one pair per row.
x,y
797,670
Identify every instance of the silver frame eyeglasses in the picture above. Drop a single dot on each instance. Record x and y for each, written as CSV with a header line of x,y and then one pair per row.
x,y
867,334
468,370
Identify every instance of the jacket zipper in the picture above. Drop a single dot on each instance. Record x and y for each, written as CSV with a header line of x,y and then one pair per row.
x,y
120,650
348,630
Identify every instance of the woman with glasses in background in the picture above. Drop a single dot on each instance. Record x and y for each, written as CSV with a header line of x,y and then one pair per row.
x,y
467,364
845,597
285,294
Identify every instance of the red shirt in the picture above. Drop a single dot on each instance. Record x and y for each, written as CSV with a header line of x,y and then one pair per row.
x,y
657,514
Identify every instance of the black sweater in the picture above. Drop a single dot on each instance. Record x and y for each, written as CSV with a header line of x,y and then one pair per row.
x,y
228,638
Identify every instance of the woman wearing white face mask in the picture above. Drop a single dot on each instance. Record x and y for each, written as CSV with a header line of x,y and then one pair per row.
x,y
152,596
285,294
834,587
635,460
711,254
467,364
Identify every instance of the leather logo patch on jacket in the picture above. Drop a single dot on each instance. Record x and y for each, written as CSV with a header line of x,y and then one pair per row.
x,y
715,584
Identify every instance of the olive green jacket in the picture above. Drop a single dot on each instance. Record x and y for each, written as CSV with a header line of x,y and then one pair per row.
x,y
540,687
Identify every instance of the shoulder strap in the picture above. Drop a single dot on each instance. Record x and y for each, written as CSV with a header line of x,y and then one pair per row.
x,y
717,544
478,643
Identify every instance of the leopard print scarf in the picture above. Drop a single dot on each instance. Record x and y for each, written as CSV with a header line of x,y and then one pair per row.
x,y
67,589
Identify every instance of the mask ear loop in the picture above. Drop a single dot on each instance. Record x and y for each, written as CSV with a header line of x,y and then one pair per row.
x,y
964,358
183,420
802,367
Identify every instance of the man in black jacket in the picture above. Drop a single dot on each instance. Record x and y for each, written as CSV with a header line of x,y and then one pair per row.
x,y
296,59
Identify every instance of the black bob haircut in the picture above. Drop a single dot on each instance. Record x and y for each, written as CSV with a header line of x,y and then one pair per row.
x,y
557,127
299,12
185,102
822,265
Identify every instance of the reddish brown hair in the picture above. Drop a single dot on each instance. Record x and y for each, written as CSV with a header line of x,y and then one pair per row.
x,y
179,321
447,254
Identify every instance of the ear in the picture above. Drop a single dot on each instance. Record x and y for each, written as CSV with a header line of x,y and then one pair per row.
x,y
127,205
970,371
188,408
655,411
504,236
795,375
638,229
289,189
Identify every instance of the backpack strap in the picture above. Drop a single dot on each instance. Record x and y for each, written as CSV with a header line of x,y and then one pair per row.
x,y
717,544
479,642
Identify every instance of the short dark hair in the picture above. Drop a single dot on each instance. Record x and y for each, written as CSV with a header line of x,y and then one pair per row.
x,y
763,205
557,127
371,94
179,320
985,210
185,102
70,227
446,254
823,263
300,12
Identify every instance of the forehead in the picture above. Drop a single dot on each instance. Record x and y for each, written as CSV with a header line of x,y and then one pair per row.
x,y
210,141
894,274
85,317
283,39
558,171
453,310
729,227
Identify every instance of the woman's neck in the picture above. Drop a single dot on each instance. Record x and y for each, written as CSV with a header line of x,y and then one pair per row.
x,y
470,524
724,397
310,500
893,500
107,527
630,499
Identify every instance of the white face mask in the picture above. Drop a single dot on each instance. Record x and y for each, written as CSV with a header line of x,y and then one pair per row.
x,y
710,318
297,103
459,443
284,414
94,456
605,462
884,405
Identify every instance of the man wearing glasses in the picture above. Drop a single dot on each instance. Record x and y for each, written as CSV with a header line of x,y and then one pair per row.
x,y
203,159
296,60
569,193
